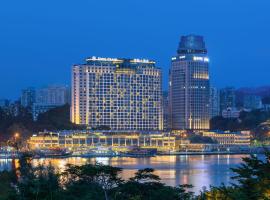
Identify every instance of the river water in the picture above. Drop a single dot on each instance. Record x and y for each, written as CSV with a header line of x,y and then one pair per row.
x,y
198,170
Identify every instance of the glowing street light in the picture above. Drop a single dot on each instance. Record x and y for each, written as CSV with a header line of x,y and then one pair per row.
x,y
17,135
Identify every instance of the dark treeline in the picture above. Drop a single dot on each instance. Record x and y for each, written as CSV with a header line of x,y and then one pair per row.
x,y
102,182
246,121
198,139
90,181
22,122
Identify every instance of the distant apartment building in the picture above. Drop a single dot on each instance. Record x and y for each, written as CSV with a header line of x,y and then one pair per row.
x,y
28,97
189,85
214,102
252,102
53,95
121,94
227,98
266,107
48,98
231,113
166,112
4,103
14,108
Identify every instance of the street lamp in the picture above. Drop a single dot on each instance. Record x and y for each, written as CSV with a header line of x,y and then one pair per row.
x,y
16,135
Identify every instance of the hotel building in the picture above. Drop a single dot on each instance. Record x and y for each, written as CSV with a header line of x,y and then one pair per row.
x,y
189,85
121,94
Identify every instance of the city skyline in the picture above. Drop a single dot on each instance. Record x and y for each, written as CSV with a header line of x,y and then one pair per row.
x,y
134,99
47,43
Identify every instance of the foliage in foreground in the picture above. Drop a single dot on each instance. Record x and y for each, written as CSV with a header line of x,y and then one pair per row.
x,y
101,182
252,182
94,182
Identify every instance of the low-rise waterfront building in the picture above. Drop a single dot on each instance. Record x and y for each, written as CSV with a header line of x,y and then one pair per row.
x,y
226,142
114,139
230,138
119,140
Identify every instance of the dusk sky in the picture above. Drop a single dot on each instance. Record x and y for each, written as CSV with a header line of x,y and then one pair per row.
x,y
41,40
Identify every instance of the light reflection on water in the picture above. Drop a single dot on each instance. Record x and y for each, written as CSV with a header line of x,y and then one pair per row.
x,y
201,170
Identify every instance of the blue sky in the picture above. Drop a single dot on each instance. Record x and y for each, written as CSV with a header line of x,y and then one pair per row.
x,y
41,40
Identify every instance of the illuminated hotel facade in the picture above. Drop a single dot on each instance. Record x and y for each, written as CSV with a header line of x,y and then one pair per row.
x,y
189,85
122,94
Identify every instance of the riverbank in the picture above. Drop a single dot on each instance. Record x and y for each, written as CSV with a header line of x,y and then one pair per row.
x,y
107,152
205,153
16,156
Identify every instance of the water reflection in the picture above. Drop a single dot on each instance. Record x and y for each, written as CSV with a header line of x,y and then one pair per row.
x,y
5,164
174,170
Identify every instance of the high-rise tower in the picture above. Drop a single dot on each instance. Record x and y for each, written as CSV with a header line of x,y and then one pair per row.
x,y
189,85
